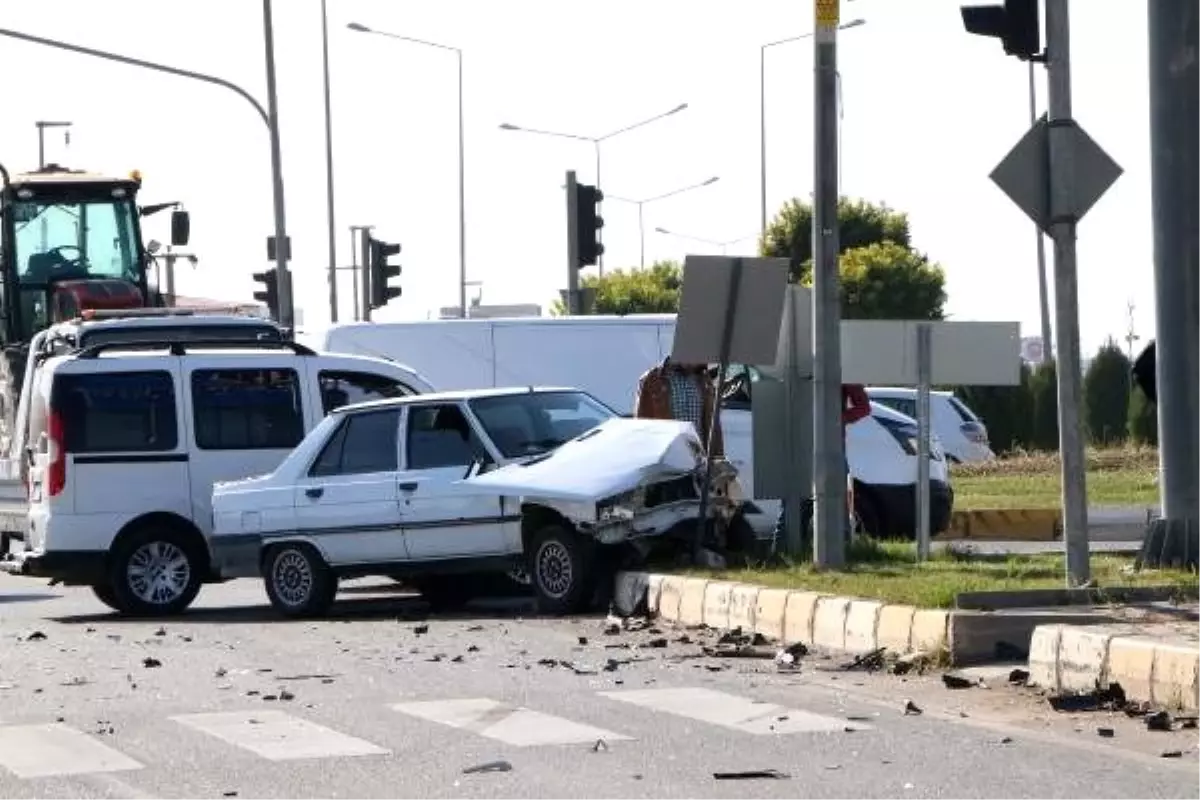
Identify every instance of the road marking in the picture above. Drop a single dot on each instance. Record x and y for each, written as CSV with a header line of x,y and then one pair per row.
x,y
278,736
44,751
731,711
520,727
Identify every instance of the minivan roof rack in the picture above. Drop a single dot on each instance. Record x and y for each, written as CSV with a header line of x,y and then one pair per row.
x,y
179,348
95,314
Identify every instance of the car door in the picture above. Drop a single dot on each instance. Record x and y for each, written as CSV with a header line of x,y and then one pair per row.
x,y
348,501
443,518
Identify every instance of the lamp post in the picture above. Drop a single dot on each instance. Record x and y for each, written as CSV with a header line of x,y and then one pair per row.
x,y
329,193
285,299
641,204
462,192
762,102
596,142
723,244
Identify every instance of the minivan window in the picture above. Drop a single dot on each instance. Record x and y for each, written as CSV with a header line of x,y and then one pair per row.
x,y
116,412
342,388
247,409
963,412
364,443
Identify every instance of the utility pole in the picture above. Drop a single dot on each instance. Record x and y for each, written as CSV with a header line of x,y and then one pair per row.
x,y
573,243
286,302
829,521
1173,168
329,192
1063,219
1043,287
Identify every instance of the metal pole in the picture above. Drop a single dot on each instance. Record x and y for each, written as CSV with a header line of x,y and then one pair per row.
x,y
354,270
762,111
41,146
1066,293
286,302
599,233
642,233
329,198
1043,288
170,258
572,248
462,198
924,384
829,542
1174,203
798,403
364,253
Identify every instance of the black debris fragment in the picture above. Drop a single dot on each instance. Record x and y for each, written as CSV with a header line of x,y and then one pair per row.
x,y
457,659
579,669
1006,740
35,636
548,662
953,681
308,676
1019,676
600,746
912,709
149,662
1105,733
1186,723
421,630
752,774
870,662
1109,699
715,667
658,643
490,766
270,697
473,648
739,651
684,639
285,695
229,794
436,657
161,632
221,672
1172,754
474,628
1160,721
583,640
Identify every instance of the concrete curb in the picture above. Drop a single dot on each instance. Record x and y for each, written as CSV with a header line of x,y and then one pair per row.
x,y
1068,658
1004,524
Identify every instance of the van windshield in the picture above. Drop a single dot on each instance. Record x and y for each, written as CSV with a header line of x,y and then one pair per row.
x,y
529,424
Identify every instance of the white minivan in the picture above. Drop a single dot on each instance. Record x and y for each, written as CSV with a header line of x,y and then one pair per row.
x,y
605,356
127,440
963,435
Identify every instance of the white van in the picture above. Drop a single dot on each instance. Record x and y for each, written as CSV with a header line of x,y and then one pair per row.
x,y
128,438
963,435
605,356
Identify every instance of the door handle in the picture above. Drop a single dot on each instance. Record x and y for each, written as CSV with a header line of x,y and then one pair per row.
x,y
407,486
314,492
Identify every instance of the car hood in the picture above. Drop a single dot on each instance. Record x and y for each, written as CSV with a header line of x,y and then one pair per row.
x,y
617,456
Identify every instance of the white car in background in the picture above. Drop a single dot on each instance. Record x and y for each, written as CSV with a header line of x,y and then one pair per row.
x,y
963,435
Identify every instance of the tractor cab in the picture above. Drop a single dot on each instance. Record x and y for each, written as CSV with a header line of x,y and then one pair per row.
x,y
71,241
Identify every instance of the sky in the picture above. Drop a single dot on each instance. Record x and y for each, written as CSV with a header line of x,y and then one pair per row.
x,y
929,111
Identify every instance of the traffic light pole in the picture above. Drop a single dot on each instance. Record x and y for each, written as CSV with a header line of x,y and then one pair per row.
x,y
364,255
1066,292
829,474
572,246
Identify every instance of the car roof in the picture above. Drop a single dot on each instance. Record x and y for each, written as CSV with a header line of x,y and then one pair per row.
x,y
903,391
455,396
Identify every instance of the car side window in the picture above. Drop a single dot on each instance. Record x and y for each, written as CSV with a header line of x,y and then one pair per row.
x,y
363,444
116,412
901,404
736,388
440,436
343,387
247,409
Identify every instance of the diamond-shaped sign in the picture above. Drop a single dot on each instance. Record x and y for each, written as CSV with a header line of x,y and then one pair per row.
x,y
1024,174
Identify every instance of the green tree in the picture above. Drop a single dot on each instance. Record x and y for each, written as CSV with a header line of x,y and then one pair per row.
x,y
1106,389
654,290
1043,395
1006,411
1143,418
883,277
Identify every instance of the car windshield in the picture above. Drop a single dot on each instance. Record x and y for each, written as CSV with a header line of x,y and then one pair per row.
x,y
532,423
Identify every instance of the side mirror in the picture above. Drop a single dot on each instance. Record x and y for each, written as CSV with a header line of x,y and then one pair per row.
x,y
181,228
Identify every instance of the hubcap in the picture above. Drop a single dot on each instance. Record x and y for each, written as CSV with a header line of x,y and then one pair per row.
x,y
292,576
158,573
554,571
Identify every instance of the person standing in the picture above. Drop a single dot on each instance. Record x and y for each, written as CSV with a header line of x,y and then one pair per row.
x,y
680,392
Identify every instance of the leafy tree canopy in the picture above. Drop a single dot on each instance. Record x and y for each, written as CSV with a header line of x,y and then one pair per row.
x,y
654,290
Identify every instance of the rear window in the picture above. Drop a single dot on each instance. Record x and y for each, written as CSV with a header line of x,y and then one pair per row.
x,y
117,412
247,409
342,388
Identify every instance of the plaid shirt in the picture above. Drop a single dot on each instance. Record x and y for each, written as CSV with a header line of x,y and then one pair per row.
x,y
656,399
687,404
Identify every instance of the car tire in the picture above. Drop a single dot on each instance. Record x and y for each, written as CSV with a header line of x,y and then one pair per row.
x,y
445,592
866,509
298,581
561,569
105,594
156,571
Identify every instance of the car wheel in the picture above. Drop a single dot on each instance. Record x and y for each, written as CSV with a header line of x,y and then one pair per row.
x,y
155,572
105,594
298,581
445,593
560,568
867,511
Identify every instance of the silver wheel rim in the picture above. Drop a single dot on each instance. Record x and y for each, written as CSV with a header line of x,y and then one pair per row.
x,y
554,571
158,573
292,577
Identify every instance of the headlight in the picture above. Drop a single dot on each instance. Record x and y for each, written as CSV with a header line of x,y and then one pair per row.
x,y
621,506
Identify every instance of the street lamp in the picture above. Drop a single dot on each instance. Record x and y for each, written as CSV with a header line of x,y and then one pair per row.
x,y
596,141
270,119
762,101
462,191
664,196
724,245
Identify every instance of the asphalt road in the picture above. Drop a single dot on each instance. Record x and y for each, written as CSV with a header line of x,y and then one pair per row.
x,y
228,700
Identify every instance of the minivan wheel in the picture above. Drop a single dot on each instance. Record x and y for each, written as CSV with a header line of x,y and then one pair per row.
x,y
561,569
298,581
866,509
154,572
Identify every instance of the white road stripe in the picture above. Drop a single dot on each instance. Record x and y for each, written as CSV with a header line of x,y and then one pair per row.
x,y
731,711
519,727
277,736
44,751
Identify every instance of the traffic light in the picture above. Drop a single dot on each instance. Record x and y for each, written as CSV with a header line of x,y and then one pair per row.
x,y
1016,24
381,272
269,294
588,223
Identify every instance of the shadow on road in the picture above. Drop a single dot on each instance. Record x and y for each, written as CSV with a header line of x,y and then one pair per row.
x,y
28,597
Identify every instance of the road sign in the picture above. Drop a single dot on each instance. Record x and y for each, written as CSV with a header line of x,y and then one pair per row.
x,y
1024,174
730,309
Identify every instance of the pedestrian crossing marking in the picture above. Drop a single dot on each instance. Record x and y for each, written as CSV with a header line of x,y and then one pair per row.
x,y
731,711
52,750
277,736
520,727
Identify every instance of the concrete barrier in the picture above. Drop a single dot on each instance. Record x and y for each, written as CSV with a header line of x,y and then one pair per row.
x,y
829,623
770,614
743,607
691,601
717,596
1004,525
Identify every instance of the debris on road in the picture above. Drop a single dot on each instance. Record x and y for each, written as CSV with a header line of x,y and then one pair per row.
x,y
600,746
1006,740
35,636
75,681
1172,754
954,681
1019,676
1105,733
285,695
474,648
161,632
1109,699
221,672
1160,721
490,766
752,774
314,676
911,708
421,630
149,662
583,640
870,662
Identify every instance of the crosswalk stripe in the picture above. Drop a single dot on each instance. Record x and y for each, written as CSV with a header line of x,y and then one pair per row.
x,y
731,711
51,750
520,727
277,736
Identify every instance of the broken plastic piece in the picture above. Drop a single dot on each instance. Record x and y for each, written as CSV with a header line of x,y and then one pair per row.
x,y
752,774
490,766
